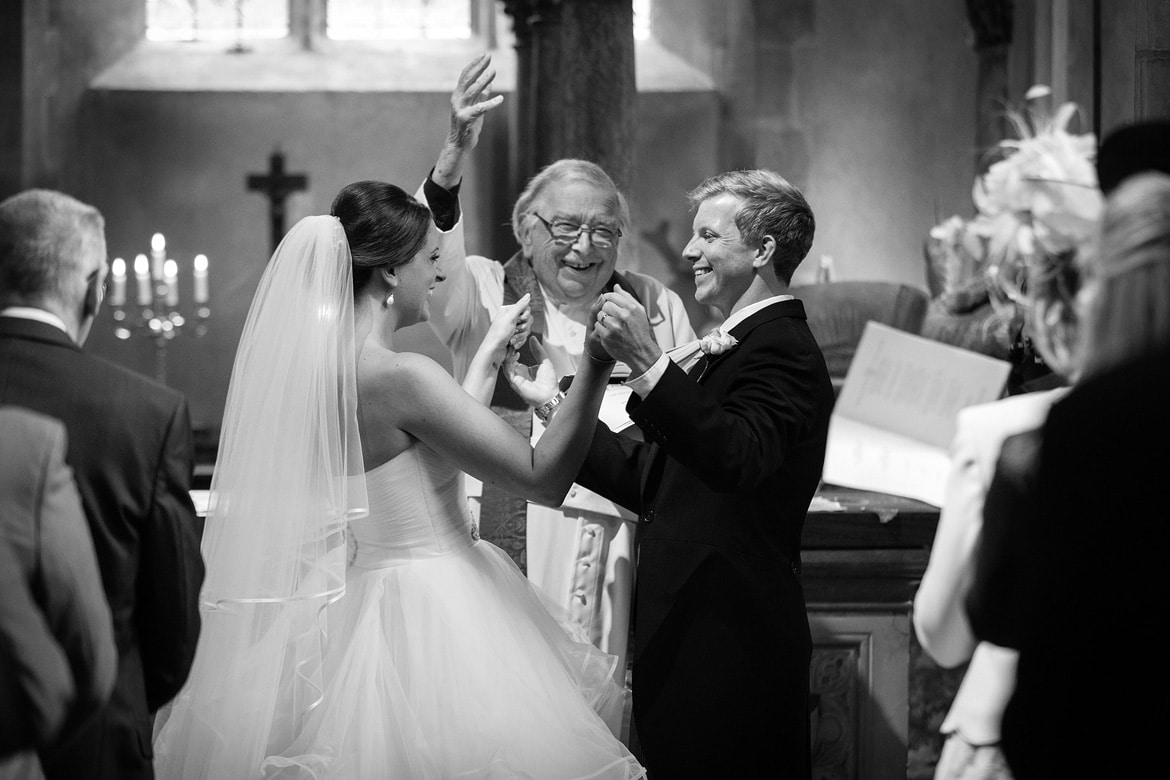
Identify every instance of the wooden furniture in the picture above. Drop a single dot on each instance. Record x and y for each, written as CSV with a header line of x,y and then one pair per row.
x,y
839,311
862,565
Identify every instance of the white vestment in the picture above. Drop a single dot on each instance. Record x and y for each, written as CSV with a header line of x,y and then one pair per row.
x,y
581,554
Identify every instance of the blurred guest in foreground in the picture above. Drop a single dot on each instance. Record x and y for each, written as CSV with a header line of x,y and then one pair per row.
x,y
1035,272
1069,569
131,453
57,654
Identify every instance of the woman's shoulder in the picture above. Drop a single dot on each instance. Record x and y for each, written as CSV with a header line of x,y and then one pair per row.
x,y
382,371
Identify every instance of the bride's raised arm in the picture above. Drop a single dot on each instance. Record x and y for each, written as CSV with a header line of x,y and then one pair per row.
x,y
507,333
420,398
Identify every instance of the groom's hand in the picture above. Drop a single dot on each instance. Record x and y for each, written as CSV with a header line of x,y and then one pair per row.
x,y
624,330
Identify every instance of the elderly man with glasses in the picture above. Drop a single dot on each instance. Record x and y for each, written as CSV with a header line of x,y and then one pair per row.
x,y
568,222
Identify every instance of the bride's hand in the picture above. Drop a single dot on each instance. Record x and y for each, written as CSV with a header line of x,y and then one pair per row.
x,y
509,329
534,384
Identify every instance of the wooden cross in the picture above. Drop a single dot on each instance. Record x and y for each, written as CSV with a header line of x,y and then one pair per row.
x,y
277,185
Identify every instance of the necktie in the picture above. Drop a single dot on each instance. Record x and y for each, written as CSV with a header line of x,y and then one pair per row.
x,y
688,355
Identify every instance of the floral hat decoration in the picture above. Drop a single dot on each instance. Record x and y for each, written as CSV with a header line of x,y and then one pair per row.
x,y
1036,208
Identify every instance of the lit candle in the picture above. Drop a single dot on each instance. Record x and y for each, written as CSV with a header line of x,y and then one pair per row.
x,y
200,278
142,274
158,255
118,272
171,279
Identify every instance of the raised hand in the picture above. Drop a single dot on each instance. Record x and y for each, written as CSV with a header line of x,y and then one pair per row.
x,y
507,333
510,328
594,347
534,384
470,101
622,327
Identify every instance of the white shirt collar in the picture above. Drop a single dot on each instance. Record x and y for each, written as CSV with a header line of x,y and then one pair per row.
x,y
40,315
748,311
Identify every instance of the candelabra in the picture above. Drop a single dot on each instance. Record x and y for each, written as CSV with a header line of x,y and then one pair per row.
x,y
155,313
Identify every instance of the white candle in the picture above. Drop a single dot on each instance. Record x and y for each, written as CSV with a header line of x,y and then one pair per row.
x,y
142,275
158,255
199,289
171,279
118,274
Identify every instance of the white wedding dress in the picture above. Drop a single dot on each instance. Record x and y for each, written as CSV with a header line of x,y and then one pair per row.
x,y
442,662
426,656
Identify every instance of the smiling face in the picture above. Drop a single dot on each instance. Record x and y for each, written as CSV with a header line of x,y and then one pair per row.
x,y
416,281
724,266
574,274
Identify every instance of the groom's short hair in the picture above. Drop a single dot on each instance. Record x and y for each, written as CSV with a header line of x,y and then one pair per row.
x,y
46,238
769,206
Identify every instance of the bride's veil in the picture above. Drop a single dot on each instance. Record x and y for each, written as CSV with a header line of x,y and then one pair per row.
x,y
286,481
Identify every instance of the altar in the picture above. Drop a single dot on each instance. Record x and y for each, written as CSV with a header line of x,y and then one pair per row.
x,y
877,699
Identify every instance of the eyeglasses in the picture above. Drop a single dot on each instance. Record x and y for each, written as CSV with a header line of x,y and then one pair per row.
x,y
566,233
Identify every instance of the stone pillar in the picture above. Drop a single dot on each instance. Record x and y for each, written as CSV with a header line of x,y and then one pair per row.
x,y
991,23
575,84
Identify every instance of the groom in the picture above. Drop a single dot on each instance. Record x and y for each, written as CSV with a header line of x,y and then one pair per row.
x,y
733,454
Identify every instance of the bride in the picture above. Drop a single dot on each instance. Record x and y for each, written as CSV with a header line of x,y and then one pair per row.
x,y
354,624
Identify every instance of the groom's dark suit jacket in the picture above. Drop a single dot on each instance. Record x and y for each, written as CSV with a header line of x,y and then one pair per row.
x,y
131,451
722,485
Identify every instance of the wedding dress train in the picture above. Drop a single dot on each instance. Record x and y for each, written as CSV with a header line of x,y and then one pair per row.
x,y
442,661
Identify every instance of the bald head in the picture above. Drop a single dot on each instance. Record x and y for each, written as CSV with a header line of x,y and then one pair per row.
x,y
51,245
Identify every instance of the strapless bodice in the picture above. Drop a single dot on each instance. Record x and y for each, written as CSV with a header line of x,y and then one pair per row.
x,y
417,510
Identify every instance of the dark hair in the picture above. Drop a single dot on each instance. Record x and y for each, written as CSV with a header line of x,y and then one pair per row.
x,y
385,227
1127,314
1142,146
771,206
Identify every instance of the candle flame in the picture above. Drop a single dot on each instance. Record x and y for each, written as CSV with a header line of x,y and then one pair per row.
x,y
170,269
141,265
157,242
200,262
118,267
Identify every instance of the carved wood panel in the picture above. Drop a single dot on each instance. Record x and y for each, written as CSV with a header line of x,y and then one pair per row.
x,y
859,678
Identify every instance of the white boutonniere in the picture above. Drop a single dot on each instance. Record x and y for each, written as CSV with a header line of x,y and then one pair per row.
x,y
716,343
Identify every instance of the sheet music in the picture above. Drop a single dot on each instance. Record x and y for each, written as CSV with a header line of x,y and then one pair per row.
x,y
894,419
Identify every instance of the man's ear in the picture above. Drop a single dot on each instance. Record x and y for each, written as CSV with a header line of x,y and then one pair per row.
x,y
525,236
93,297
764,252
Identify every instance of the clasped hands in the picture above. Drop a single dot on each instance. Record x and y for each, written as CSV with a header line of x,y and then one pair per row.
x,y
619,330
622,331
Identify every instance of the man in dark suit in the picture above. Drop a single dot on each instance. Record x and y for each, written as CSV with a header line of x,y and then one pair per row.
x,y
130,448
732,458
57,654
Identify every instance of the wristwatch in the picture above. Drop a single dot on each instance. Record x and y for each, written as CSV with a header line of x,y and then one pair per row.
x,y
545,410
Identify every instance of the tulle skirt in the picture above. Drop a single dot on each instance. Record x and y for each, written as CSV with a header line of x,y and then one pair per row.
x,y
452,667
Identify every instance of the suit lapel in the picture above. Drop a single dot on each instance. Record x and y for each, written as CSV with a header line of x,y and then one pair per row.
x,y
656,460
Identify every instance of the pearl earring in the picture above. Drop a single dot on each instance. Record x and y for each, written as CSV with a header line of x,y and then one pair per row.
x,y
386,304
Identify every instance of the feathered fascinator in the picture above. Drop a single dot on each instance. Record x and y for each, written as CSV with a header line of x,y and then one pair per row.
x,y
1040,203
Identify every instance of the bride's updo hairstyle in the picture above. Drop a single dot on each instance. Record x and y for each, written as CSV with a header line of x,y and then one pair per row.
x,y
385,227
